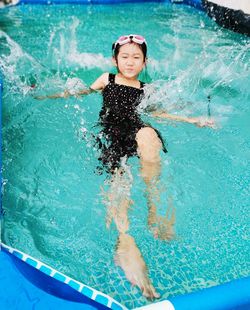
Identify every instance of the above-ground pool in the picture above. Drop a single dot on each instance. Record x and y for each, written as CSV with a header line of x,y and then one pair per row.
x,y
53,192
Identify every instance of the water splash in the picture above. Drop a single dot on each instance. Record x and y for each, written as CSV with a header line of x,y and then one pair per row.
x,y
64,48
201,84
74,85
23,72
15,64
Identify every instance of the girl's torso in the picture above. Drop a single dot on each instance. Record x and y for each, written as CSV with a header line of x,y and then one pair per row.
x,y
120,103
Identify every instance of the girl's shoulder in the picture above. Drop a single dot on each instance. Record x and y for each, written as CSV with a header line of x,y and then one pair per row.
x,y
101,82
105,78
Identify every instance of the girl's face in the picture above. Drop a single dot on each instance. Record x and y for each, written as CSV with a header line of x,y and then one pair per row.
x,y
130,60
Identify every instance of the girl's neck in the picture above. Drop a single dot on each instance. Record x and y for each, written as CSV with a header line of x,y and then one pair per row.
x,y
120,75
120,79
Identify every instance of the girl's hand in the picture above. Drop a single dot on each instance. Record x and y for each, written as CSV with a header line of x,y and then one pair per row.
x,y
203,122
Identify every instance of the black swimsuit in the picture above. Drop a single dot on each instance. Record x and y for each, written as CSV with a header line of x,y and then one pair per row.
x,y
120,122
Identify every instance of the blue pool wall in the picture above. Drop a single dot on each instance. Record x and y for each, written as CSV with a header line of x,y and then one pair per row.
x,y
31,280
24,285
24,276
43,278
1,91
232,295
195,3
21,294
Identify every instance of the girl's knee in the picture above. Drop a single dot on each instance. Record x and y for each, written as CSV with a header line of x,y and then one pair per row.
x,y
148,144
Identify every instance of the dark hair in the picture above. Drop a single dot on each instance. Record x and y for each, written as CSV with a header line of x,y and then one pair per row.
x,y
116,49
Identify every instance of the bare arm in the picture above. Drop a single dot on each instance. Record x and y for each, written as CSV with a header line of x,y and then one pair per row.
x,y
198,121
99,84
65,94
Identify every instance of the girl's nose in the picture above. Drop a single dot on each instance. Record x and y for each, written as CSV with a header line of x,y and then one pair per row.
x,y
130,62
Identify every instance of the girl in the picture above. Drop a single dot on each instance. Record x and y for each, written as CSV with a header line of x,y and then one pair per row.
x,y
127,135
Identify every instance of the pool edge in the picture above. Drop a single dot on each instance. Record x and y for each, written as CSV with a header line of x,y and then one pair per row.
x,y
56,276
212,298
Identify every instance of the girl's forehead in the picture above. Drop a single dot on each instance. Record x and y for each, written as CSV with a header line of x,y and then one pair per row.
x,y
131,48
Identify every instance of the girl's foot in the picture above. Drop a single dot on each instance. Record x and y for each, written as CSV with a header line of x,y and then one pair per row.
x,y
129,258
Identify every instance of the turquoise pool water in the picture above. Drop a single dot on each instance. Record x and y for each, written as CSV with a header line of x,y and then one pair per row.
x,y
53,206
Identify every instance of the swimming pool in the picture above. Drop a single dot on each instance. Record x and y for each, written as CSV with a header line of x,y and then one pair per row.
x,y
53,209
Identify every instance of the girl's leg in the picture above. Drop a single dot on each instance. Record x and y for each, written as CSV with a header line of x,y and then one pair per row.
x,y
128,256
118,200
149,147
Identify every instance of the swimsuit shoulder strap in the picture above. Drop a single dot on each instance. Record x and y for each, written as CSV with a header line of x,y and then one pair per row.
x,y
142,84
112,78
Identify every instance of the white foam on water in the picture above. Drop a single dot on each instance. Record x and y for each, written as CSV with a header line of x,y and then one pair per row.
x,y
74,85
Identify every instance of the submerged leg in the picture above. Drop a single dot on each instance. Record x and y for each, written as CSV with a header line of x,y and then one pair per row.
x,y
127,256
130,259
118,201
149,146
